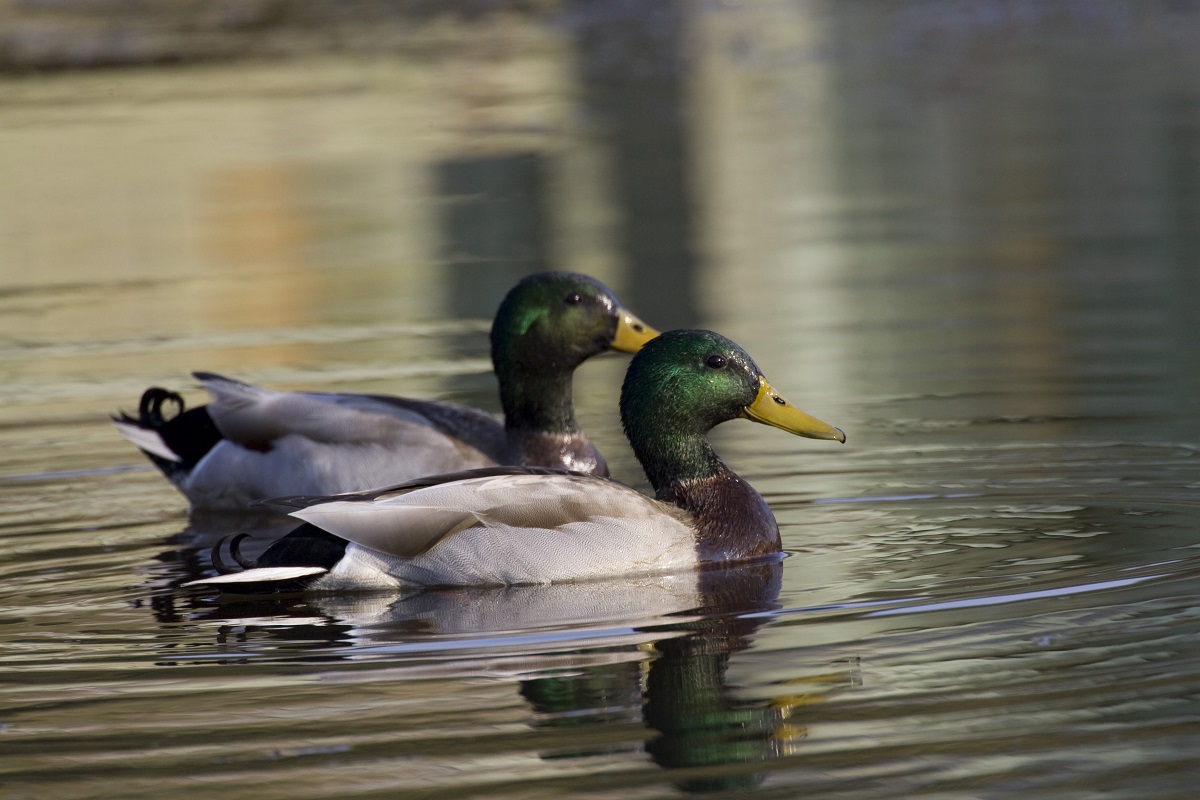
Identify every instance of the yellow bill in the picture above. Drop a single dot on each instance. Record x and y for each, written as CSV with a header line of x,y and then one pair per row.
x,y
770,408
632,334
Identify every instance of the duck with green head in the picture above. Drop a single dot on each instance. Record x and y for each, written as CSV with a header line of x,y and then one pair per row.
x,y
251,443
528,526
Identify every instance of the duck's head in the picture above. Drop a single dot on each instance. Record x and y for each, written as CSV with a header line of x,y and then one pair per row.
x,y
554,321
684,383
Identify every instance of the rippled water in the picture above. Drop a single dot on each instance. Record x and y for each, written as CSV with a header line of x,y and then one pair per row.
x,y
965,233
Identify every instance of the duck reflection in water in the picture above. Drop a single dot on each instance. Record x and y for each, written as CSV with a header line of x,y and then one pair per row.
x,y
653,650
188,557
713,739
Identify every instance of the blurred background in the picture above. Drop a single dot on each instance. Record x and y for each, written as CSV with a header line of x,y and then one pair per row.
x,y
915,172
952,187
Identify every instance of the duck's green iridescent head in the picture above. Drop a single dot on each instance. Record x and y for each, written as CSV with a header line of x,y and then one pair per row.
x,y
556,320
686,382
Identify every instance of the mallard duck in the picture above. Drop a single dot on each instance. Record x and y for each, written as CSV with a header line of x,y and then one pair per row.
x,y
508,526
252,443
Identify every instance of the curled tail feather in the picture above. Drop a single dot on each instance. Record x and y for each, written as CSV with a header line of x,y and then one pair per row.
x,y
174,443
291,564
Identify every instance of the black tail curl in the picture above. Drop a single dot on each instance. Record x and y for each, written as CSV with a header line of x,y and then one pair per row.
x,y
189,433
234,542
151,407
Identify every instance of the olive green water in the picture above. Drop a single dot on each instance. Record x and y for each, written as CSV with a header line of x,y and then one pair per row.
x,y
967,233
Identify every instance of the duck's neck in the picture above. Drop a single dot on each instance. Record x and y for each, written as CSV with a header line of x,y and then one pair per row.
x,y
540,427
732,520
537,401
671,458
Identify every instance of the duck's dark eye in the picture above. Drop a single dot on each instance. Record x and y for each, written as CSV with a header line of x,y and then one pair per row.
x,y
573,299
715,361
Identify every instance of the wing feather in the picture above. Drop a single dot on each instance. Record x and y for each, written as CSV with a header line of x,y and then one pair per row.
x,y
401,531
409,523
255,417
372,495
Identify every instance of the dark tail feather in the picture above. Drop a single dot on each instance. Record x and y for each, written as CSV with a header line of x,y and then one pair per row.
x,y
235,550
306,546
290,564
188,433
150,408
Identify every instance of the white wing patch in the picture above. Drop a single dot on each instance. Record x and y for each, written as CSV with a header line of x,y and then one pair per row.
x,y
147,440
258,575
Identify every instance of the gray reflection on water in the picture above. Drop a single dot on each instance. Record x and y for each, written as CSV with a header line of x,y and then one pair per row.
x,y
581,656
634,74
492,212
1036,166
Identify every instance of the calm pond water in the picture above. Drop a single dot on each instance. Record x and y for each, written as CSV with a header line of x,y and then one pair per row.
x,y
967,233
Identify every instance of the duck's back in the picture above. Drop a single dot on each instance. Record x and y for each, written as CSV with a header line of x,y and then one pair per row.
x,y
282,443
504,529
252,443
